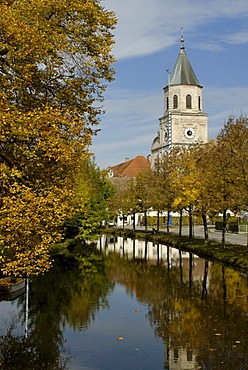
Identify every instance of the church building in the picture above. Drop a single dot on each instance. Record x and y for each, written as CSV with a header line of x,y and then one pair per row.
x,y
183,123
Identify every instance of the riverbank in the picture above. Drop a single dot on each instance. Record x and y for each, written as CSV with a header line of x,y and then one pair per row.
x,y
233,255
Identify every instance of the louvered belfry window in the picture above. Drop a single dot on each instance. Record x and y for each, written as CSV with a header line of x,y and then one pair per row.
x,y
188,101
175,102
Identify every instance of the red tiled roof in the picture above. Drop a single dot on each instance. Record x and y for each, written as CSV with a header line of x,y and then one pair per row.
x,y
131,168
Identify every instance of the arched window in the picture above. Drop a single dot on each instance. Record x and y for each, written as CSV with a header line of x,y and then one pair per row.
x,y
199,103
167,103
175,102
188,101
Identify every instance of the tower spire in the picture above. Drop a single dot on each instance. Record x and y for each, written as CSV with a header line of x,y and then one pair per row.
x,y
182,73
182,38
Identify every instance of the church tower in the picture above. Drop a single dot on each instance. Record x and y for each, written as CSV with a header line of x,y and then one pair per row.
x,y
183,123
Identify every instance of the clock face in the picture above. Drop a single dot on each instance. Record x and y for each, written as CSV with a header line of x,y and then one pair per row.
x,y
189,133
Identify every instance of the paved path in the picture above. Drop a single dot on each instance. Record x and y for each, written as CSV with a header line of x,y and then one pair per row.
x,y
240,239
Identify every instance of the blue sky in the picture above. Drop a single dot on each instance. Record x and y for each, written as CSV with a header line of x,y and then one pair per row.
x,y
147,40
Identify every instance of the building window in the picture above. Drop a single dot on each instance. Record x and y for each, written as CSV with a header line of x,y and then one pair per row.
x,y
188,101
199,103
175,102
167,103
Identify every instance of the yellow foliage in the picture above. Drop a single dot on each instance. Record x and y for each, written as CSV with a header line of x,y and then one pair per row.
x,y
54,59
56,51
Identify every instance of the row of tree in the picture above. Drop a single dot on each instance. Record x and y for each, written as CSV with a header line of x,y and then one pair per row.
x,y
55,60
202,179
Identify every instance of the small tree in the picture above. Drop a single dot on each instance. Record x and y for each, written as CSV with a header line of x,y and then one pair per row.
x,y
163,195
144,191
185,184
230,168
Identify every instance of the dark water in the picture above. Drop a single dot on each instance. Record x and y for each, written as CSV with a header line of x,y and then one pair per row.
x,y
149,307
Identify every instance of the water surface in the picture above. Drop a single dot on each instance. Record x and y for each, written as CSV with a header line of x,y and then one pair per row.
x,y
150,307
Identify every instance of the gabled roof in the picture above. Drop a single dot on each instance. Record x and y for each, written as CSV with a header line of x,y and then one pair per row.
x,y
182,73
131,167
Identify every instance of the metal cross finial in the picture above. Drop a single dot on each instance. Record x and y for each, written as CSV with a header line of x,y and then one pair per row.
x,y
182,38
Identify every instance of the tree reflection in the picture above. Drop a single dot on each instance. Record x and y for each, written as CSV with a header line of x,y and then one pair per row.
x,y
64,296
199,309
204,282
209,332
26,353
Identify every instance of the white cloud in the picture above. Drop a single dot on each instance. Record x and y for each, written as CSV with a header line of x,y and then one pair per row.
x,y
237,38
132,120
129,107
136,109
213,45
130,125
221,103
148,26
152,25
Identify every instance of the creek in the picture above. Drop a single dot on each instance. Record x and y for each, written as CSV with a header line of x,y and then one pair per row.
x,y
146,307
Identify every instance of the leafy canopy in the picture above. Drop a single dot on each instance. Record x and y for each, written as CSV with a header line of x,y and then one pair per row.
x,y
55,59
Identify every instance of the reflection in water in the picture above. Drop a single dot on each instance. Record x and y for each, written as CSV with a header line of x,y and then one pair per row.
x,y
198,308
58,299
173,310
204,282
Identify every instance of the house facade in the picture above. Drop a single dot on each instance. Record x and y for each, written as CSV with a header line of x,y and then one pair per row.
x,y
120,174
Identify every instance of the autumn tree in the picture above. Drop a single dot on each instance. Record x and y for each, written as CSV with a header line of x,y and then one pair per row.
x,y
132,199
156,194
121,202
235,137
92,193
56,53
230,169
54,64
144,192
204,172
163,195
185,184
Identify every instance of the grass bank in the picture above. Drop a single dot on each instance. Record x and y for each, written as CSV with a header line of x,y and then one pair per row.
x,y
235,256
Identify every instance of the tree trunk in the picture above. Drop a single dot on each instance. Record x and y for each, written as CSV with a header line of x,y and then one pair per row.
x,y
168,222
134,221
180,222
224,229
158,224
190,224
205,225
145,216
